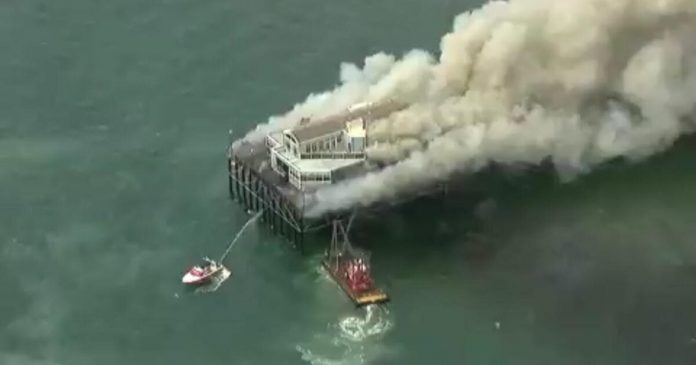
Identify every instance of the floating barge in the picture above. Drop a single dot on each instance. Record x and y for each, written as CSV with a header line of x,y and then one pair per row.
x,y
350,269
373,296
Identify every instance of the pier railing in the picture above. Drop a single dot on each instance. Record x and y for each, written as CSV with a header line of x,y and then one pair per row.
x,y
333,155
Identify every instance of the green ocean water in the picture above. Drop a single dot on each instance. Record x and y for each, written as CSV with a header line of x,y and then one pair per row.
x,y
113,128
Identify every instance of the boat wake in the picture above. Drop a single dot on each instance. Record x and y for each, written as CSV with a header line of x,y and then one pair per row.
x,y
351,340
375,322
215,282
322,276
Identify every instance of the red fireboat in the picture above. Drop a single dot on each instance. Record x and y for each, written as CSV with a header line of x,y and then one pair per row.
x,y
350,268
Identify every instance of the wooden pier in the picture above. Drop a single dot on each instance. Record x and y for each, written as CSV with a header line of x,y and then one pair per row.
x,y
255,186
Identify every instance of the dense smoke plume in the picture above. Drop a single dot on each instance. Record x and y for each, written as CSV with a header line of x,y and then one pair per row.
x,y
574,82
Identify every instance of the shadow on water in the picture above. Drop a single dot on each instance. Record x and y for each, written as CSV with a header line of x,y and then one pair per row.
x,y
502,216
467,218
457,221
421,231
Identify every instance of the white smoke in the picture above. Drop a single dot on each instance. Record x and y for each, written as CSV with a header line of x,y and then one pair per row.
x,y
574,82
355,84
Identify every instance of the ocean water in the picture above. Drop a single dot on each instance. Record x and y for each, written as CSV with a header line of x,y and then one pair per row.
x,y
114,119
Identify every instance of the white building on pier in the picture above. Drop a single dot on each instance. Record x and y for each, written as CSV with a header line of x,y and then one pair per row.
x,y
319,152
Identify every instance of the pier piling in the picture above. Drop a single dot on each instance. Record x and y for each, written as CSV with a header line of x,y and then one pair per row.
x,y
254,194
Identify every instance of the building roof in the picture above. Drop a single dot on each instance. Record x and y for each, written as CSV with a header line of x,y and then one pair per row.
x,y
334,123
315,165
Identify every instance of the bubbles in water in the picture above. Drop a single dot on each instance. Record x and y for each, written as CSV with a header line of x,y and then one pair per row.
x,y
322,274
351,340
215,282
358,329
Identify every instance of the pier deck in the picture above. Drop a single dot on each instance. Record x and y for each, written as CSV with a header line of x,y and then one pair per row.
x,y
256,186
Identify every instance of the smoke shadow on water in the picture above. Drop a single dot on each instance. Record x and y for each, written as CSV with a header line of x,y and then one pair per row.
x,y
462,220
532,261
423,230
469,219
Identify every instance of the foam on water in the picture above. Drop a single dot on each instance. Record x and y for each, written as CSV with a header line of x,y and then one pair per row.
x,y
215,282
375,322
353,339
322,275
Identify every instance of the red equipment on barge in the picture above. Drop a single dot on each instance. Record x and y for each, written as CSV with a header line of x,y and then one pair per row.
x,y
350,268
